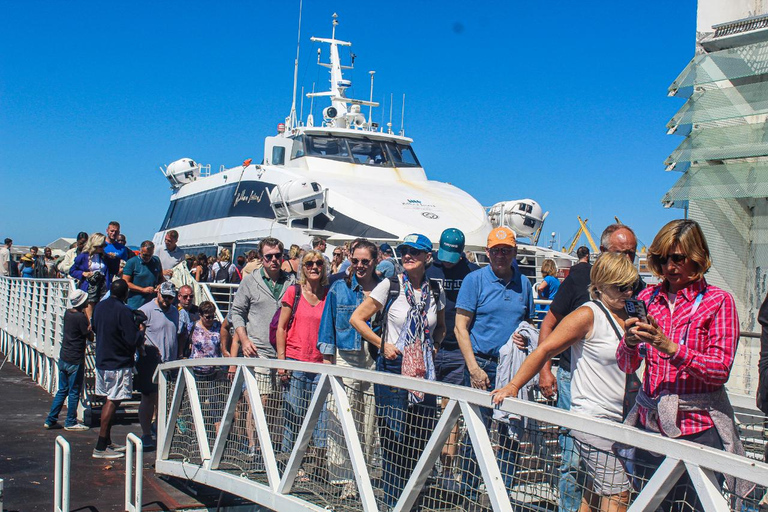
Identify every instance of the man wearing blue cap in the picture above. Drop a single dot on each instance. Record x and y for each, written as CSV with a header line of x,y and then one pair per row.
x,y
450,267
386,267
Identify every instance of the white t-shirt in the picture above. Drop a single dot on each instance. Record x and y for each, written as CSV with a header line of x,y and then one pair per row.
x,y
95,264
597,383
5,260
398,311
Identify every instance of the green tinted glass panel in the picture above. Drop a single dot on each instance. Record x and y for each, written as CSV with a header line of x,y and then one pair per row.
x,y
729,181
722,143
713,103
732,63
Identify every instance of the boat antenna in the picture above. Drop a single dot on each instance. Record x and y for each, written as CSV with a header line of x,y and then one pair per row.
x,y
402,118
389,124
301,108
292,117
370,107
312,99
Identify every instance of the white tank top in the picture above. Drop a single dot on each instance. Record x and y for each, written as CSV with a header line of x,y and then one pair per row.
x,y
597,383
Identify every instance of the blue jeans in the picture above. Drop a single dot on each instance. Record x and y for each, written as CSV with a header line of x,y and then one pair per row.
x,y
297,398
570,490
70,384
508,447
404,429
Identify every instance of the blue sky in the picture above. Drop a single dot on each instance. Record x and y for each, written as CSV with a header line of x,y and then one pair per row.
x,y
564,103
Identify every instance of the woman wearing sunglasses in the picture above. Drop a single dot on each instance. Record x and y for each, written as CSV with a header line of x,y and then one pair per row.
x,y
297,340
205,342
688,342
413,327
593,332
341,344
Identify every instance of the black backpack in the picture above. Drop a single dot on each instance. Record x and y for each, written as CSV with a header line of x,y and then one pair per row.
x,y
222,275
379,320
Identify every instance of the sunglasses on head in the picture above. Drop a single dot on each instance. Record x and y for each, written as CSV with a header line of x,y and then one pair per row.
x,y
364,261
676,258
407,249
314,263
270,257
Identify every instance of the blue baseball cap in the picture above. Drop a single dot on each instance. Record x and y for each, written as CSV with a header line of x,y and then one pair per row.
x,y
385,247
451,245
416,241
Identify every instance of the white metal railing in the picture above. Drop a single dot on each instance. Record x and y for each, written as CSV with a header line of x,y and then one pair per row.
x,y
226,434
61,475
134,472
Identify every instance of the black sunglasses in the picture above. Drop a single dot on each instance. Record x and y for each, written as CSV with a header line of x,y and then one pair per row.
x,y
676,258
407,249
314,263
209,317
364,261
629,253
624,288
270,257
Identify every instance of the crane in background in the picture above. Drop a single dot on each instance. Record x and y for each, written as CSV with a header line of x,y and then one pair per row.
x,y
583,229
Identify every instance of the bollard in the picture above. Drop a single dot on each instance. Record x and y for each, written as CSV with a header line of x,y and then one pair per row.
x,y
61,476
134,462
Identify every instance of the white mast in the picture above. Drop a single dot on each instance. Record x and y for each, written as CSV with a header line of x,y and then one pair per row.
x,y
292,117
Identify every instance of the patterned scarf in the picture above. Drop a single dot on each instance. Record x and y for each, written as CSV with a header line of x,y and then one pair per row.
x,y
415,341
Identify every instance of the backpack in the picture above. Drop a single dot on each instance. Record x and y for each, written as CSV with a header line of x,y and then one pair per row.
x,y
276,317
222,274
379,320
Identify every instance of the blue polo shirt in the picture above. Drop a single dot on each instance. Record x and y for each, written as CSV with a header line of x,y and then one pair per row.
x,y
498,308
142,274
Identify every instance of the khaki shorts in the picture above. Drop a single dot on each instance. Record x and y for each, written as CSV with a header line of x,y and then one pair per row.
x,y
114,384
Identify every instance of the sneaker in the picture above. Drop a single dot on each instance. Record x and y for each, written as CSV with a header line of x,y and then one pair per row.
x,y
107,453
77,427
117,447
148,443
51,426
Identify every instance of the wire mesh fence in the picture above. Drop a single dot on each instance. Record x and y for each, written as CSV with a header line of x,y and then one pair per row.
x,y
439,451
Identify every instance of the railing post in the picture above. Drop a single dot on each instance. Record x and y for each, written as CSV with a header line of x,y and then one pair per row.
x,y
61,475
134,472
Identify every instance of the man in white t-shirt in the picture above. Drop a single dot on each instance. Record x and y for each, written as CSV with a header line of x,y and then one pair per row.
x,y
170,255
5,258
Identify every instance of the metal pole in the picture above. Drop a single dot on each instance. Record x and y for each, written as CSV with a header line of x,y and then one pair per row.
x,y
61,475
133,472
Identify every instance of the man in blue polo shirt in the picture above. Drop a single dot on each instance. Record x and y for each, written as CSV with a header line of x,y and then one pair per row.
x,y
491,304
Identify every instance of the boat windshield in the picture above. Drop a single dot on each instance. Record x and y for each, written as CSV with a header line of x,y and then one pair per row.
x,y
359,150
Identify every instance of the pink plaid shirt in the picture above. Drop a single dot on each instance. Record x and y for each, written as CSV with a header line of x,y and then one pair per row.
x,y
703,361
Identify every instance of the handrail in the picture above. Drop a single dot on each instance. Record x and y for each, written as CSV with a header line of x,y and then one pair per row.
x,y
61,475
134,472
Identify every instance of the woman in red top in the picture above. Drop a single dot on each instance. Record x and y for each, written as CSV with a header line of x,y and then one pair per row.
x,y
688,343
297,340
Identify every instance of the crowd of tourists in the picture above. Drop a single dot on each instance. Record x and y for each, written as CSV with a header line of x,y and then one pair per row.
x,y
431,315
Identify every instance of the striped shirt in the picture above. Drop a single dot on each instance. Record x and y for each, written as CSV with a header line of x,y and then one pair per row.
x,y
707,338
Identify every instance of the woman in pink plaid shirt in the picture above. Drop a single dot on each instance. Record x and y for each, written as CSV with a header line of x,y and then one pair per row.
x,y
688,344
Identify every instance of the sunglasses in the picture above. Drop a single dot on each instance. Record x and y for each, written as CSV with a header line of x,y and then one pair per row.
x,y
506,251
624,288
315,263
337,254
405,250
629,253
676,258
209,317
365,262
185,296
270,257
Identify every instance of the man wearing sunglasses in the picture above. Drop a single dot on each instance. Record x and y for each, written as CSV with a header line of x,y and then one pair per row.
x,y
490,305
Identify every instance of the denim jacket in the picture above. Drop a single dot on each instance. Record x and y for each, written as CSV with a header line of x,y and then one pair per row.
x,y
335,330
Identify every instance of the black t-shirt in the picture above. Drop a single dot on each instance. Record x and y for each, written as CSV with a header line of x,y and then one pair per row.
x,y
451,279
573,292
75,337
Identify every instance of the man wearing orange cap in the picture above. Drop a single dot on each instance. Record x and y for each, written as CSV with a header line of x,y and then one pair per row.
x,y
491,304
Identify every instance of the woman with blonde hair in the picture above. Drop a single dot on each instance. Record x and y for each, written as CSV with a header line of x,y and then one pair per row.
x,y
549,284
593,332
297,332
292,263
91,270
223,270
688,342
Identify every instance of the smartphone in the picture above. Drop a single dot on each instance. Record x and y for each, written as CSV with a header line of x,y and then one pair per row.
x,y
636,308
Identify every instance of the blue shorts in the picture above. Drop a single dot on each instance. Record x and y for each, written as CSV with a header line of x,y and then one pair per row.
x,y
449,366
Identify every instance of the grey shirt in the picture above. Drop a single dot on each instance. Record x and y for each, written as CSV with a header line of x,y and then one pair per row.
x,y
253,308
162,329
170,259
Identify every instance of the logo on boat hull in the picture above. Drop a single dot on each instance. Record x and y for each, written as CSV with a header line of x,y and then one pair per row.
x,y
430,215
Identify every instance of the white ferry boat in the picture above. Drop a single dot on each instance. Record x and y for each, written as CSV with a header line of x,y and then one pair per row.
x,y
341,177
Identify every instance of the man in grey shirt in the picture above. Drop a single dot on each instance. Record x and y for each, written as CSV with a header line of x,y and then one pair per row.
x,y
255,303
160,346
170,255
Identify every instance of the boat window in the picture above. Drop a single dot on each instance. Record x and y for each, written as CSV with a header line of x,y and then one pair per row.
x,y
297,151
328,147
368,152
402,155
278,155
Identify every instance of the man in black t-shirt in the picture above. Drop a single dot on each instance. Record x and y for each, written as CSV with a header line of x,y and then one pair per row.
x,y
77,332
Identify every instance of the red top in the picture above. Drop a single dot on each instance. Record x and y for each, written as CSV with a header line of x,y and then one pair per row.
x,y
702,363
301,338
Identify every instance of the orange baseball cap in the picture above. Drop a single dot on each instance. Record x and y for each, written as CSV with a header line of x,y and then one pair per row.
x,y
502,236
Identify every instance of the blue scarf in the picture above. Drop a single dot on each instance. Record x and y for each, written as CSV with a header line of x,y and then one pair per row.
x,y
415,340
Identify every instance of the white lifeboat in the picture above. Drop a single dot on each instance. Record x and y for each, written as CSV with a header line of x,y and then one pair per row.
x,y
523,216
296,199
181,172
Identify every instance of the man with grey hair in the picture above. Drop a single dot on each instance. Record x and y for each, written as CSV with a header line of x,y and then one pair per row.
x,y
143,275
572,294
171,254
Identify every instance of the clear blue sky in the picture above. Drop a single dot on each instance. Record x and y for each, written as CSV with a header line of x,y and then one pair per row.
x,y
563,102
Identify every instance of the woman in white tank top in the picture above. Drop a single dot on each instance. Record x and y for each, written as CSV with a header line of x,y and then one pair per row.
x,y
597,386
